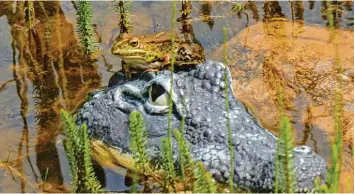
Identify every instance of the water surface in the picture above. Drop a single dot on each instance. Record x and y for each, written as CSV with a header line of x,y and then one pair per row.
x,y
44,70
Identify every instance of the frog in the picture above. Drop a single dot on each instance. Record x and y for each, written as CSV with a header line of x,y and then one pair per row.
x,y
153,52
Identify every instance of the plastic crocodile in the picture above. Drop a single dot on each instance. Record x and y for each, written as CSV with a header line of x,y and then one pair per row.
x,y
198,94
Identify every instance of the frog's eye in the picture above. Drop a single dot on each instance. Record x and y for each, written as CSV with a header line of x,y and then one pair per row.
x,y
134,42
157,95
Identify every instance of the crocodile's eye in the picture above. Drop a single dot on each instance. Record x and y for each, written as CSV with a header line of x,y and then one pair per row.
x,y
157,95
134,42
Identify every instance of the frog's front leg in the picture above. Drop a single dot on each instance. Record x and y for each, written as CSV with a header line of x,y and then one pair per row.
x,y
126,70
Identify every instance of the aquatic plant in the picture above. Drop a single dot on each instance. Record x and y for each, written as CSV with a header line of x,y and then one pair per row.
x,y
185,160
239,9
284,157
79,156
186,7
48,27
284,173
333,176
167,151
85,29
204,181
205,12
332,12
45,177
138,139
226,106
168,164
123,7
29,13
138,143
184,152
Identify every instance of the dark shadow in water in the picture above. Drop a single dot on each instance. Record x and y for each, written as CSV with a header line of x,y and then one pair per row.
x,y
20,77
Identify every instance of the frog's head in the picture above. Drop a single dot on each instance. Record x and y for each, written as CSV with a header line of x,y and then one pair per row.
x,y
142,49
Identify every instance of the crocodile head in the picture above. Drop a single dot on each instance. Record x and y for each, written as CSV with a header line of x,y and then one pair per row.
x,y
198,95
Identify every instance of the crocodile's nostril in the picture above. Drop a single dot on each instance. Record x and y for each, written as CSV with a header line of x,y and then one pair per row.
x,y
303,149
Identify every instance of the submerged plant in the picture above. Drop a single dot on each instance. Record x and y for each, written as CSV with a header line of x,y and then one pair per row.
x,y
85,28
79,156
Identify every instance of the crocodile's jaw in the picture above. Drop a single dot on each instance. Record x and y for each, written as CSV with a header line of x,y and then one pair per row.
x,y
205,128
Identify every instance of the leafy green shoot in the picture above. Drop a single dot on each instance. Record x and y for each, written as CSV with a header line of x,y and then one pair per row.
x,y
138,142
333,176
167,152
186,162
226,105
85,28
123,8
204,181
284,172
168,163
79,156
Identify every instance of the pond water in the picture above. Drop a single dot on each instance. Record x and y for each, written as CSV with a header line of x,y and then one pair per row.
x,y
46,71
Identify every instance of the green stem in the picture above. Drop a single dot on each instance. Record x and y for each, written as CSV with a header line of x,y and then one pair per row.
x,y
226,105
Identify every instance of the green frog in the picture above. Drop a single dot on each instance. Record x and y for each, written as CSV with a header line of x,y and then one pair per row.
x,y
140,53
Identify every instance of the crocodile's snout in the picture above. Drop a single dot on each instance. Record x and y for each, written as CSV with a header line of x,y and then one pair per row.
x,y
198,96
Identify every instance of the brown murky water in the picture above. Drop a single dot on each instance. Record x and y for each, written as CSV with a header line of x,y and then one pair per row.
x,y
270,45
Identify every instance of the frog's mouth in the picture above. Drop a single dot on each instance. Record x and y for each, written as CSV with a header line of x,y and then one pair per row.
x,y
135,54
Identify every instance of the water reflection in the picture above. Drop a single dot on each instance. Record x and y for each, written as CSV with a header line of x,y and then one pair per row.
x,y
297,11
252,6
272,9
205,13
60,76
20,77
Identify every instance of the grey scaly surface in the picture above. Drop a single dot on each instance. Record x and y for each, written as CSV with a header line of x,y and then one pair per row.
x,y
107,118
